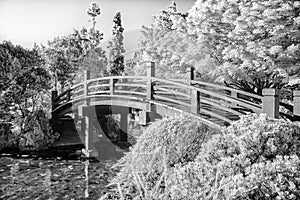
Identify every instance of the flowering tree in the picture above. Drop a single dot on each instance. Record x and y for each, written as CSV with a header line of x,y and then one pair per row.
x,y
256,43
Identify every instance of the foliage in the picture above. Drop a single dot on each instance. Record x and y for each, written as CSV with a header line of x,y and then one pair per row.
x,y
254,158
25,80
24,94
116,48
38,133
62,60
163,144
73,53
93,11
35,133
69,54
256,43
167,43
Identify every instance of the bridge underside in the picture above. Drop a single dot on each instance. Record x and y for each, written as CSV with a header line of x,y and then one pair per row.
x,y
68,120
71,117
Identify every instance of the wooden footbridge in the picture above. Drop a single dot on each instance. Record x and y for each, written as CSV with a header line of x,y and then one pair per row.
x,y
148,98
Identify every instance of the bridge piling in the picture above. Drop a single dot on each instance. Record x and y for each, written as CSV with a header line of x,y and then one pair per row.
x,y
124,125
270,104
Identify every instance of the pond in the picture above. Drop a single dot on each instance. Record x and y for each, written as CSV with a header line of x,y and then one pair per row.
x,y
59,173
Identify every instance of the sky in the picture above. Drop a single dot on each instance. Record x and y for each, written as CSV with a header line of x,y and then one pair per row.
x,y
24,22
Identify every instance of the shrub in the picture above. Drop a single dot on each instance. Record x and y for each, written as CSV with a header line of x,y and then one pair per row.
x,y
254,158
163,144
36,132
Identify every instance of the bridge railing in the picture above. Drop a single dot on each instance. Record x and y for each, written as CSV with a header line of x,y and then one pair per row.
x,y
200,98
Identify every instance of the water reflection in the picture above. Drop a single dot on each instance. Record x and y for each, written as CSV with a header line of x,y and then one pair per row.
x,y
53,177
86,172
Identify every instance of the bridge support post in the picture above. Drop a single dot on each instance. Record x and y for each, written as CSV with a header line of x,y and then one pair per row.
x,y
149,92
54,95
195,102
124,124
111,86
86,77
234,94
150,74
195,95
296,97
270,104
190,74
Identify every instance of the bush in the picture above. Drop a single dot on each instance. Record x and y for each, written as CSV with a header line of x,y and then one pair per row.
x,y
36,132
254,158
164,144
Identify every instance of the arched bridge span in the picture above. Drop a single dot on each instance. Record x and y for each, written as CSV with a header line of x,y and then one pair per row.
x,y
215,105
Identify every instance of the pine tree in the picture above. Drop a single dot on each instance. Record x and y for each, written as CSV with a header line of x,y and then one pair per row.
x,y
116,48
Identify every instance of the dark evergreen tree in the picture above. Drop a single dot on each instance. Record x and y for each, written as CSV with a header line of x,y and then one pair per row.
x,y
116,48
23,80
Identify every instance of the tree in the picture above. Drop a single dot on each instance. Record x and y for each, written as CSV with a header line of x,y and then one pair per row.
x,y
90,40
93,11
116,48
24,80
73,53
62,56
167,43
156,40
256,43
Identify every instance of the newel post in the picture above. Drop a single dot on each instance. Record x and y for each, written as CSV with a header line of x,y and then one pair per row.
x,y
190,74
54,95
270,104
111,86
150,74
296,97
68,95
86,77
195,95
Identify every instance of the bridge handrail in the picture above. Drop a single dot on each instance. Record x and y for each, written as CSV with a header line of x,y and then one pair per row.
x,y
215,99
165,84
115,77
254,107
219,87
227,88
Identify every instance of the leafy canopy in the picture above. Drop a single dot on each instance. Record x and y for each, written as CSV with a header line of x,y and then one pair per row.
x,y
255,42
